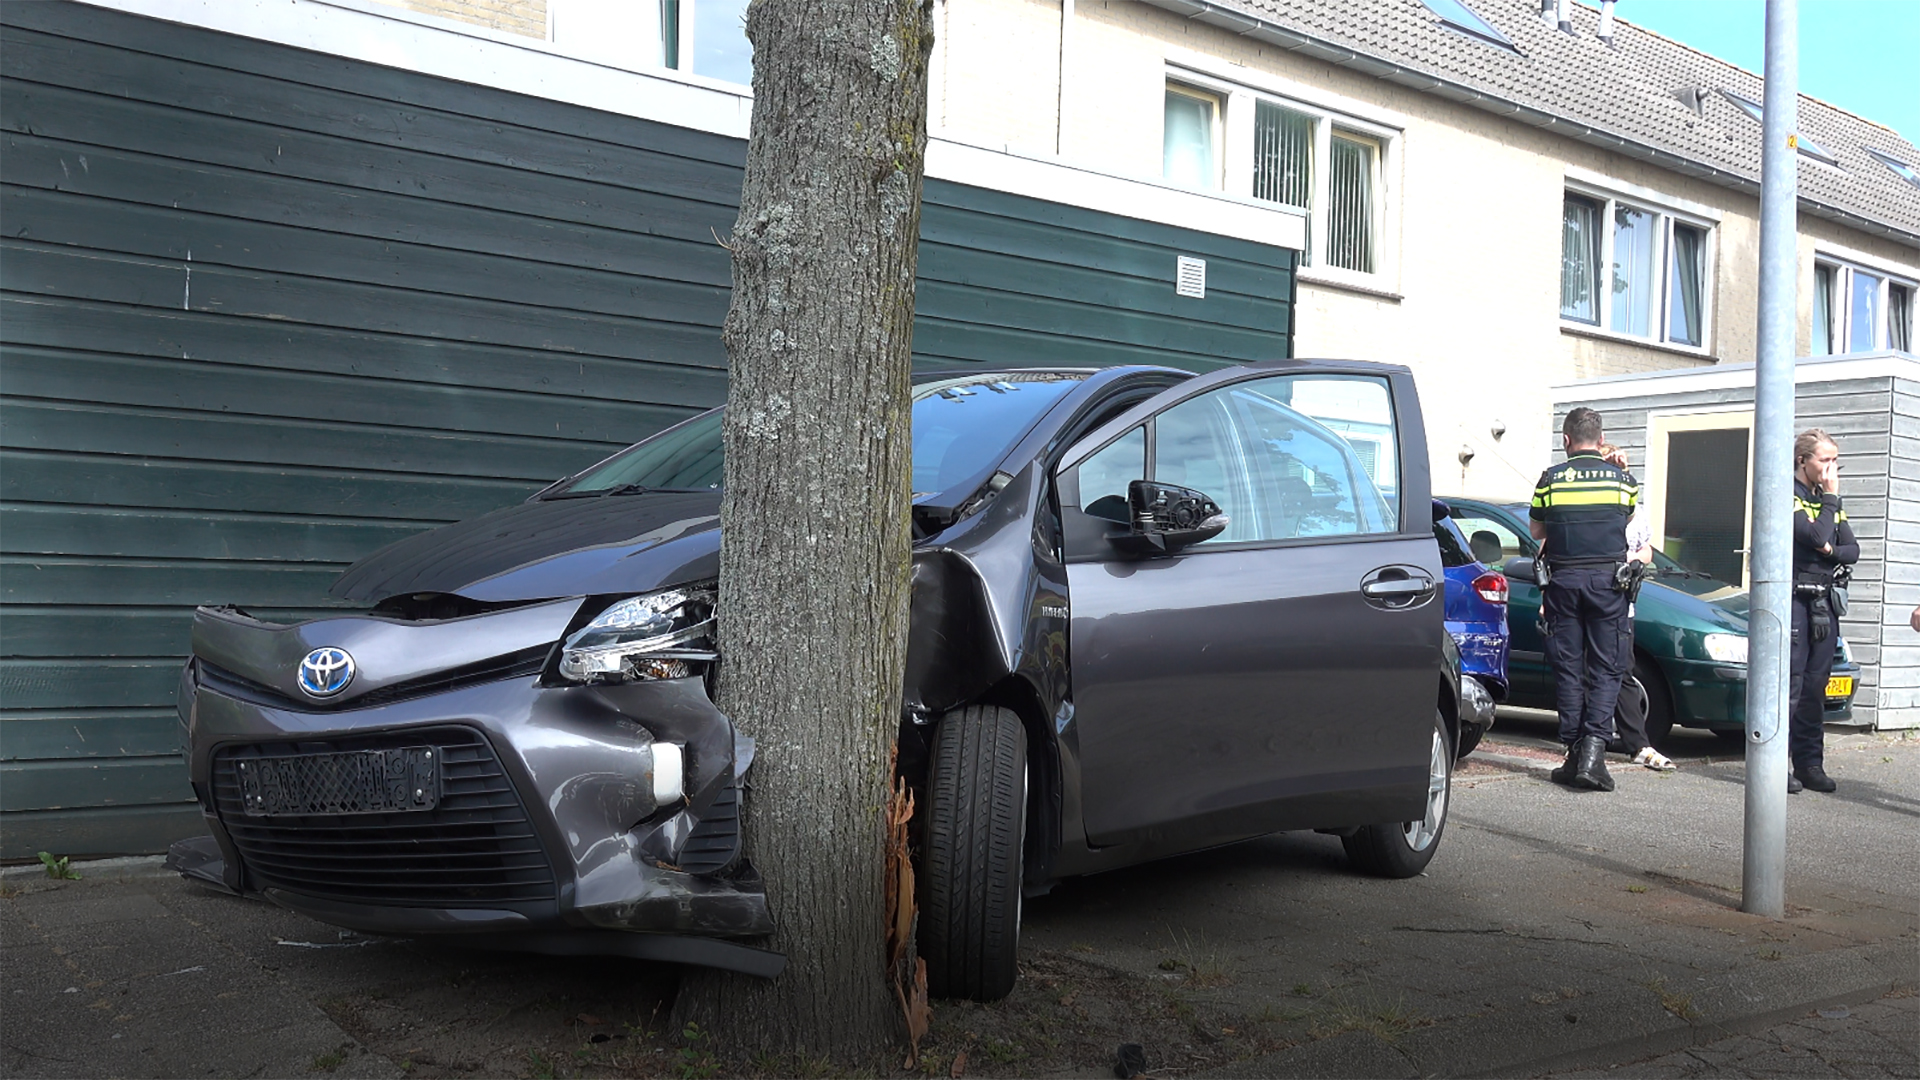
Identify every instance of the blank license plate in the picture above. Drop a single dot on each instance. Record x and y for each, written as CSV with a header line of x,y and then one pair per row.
x,y
1840,686
353,782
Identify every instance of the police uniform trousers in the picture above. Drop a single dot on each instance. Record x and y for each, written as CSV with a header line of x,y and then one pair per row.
x,y
1584,615
1807,691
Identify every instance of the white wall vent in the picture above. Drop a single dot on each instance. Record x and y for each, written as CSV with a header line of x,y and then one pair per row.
x,y
1190,277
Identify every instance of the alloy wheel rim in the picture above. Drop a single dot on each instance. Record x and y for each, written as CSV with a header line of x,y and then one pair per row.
x,y
1421,833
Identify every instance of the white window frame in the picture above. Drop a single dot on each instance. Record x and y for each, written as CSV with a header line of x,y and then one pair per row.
x,y
1240,95
1665,212
1844,266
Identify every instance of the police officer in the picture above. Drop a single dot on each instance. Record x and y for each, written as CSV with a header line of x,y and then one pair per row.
x,y
1823,543
1580,511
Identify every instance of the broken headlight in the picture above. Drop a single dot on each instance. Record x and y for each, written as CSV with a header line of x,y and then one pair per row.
x,y
655,636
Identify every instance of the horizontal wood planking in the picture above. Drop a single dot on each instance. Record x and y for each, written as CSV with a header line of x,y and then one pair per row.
x,y
73,784
114,830
152,732
87,682
81,325
266,310
115,480
109,630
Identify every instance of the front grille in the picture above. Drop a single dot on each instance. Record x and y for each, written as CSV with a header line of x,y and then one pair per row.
x,y
475,849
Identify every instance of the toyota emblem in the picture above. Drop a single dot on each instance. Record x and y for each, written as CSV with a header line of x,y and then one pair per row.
x,y
325,672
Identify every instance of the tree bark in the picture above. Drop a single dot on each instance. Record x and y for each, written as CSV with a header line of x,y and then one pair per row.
x,y
815,517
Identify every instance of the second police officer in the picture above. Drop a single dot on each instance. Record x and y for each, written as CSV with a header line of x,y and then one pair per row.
x,y
1580,512
1824,551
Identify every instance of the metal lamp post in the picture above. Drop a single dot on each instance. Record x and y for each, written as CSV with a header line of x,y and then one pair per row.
x,y
1763,868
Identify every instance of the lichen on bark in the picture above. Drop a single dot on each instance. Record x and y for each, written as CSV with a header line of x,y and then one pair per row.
x,y
815,514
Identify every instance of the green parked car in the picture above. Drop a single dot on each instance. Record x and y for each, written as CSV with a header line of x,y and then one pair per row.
x,y
1689,634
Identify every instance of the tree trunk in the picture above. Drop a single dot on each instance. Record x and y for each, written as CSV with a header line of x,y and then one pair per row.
x,y
815,518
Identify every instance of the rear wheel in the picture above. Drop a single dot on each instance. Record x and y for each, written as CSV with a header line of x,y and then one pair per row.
x,y
971,851
1659,701
1402,849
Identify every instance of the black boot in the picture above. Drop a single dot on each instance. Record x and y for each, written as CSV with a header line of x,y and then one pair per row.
x,y
1590,768
1564,774
1815,777
1794,786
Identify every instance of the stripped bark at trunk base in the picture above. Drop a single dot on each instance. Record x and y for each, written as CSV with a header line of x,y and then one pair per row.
x,y
814,555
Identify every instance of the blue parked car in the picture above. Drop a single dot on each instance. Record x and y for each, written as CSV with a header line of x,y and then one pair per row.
x,y
1476,617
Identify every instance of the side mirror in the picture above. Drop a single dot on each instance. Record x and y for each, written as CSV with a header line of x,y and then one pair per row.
x,y
1165,518
1520,568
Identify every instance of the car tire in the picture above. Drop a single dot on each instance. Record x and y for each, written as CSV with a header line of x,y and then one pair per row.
x,y
971,852
1401,849
1659,701
1469,738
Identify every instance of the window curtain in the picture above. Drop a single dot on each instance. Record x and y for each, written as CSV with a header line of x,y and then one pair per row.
x,y
1579,260
1633,240
1822,311
1283,159
1866,312
1282,155
1900,319
1683,320
1188,144
1350,209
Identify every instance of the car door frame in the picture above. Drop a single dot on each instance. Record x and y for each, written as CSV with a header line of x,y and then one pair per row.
x,y
1414,522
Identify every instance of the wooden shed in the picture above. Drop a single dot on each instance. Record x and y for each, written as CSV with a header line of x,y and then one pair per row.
x,y
1688,435
265,308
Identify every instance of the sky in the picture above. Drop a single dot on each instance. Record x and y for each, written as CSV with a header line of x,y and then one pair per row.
x,y
1862,55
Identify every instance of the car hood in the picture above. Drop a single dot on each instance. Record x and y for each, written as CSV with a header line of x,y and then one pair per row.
x,y
1662,603
542,549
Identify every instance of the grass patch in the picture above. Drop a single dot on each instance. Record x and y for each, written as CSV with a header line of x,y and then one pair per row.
x,y
1201,963
1672,1000
1386,1020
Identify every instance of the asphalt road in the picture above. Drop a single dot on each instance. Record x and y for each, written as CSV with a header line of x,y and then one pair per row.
x,y
1556,932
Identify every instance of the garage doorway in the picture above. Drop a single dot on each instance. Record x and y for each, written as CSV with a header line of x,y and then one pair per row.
x,y
1699,489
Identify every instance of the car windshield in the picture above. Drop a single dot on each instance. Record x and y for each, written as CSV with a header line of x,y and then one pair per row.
x,y
960,427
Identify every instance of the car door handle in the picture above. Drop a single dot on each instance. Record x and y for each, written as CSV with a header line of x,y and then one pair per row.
x,y
1397,589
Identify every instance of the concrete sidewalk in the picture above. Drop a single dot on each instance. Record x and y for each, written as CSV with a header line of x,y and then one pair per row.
x,y
1557,932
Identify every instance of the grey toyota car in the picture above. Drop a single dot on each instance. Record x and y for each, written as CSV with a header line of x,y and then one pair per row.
x,y
1152,612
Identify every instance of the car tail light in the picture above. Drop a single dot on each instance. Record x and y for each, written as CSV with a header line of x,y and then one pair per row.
x,y
1492,587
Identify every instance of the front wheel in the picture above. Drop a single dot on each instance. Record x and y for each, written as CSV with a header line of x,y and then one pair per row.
x,y
1401,849
971,851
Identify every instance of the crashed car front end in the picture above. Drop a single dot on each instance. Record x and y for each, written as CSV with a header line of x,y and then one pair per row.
x,y
547,775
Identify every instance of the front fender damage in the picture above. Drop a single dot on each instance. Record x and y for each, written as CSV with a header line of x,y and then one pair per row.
x,y
954,647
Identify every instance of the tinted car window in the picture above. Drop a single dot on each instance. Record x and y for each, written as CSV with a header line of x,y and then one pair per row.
x,y
1453,547
1491,540
1104,476
1278,473
682,458
959,427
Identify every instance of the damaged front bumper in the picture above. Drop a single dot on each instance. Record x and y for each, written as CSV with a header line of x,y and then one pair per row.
x,y
453,786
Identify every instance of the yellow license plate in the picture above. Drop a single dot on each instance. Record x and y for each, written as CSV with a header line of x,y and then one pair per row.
x,y
1840,686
